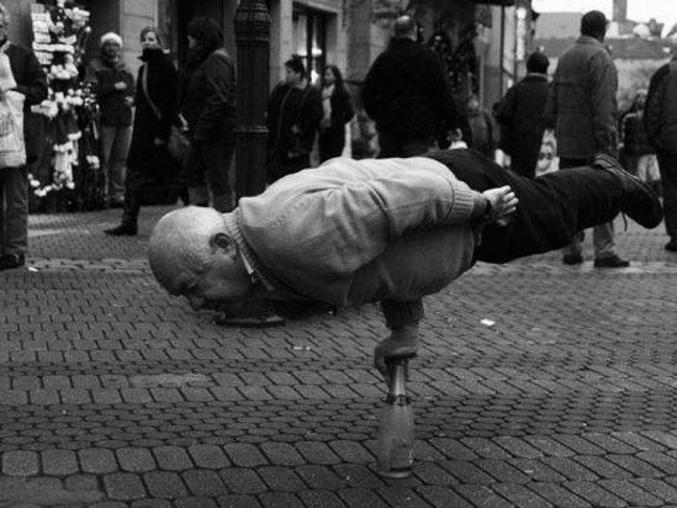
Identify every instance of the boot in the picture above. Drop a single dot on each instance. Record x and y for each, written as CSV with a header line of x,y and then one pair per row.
x,y
124,229
128,225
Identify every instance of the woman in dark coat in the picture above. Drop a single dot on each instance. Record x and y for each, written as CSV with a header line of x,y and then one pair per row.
x,y
207,97
148,158
337,111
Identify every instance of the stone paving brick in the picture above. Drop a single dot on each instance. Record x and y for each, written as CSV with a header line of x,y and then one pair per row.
x,y
395,495
452,448
242,481
107,504
166,395
13,397
466,472
485,448
572,470
548,446
442,497
20,463
164,484
557,495
520,495
244,455
202,482
59,462
317,453
320,477
350,451
636,466
43,397
282,454
664,438
320,499
135,460
361,498
480,495
208,456
151,503
81,482
657,488
518,447
280,499
108,396
172,458
638,441
281,479
124,486
595,495
432,474
609,444
662,461
97,461
195,502
630,492
136,395
602,467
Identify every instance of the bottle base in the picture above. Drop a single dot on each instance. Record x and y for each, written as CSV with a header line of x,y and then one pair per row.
x,y
394,473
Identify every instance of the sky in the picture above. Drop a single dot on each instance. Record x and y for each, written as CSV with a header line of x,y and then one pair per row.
x,y
665,11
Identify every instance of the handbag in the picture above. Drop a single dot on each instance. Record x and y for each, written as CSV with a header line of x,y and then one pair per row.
x,y
178,142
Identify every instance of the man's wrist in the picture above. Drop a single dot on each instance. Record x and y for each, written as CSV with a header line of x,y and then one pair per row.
x,y
482,211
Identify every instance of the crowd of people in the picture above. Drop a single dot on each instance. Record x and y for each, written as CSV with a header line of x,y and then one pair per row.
x,y
408,95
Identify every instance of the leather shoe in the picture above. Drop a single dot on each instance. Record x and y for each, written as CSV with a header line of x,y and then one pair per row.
x,y
10,261
572,259
612,261
122,230
671,245
640,201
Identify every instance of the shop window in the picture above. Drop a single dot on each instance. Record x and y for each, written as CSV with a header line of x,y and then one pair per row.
x,y
310,40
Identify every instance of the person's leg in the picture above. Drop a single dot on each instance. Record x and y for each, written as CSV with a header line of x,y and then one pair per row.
x,y
15,217
331,143
572,254
667,165
118,162
107,138
389,144
217,159
193,174
134,183
552,208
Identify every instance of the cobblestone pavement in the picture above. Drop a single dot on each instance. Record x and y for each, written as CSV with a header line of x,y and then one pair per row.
x,y
113,394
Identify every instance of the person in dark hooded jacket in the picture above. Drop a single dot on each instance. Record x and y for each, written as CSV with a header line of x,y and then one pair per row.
x,y
208,90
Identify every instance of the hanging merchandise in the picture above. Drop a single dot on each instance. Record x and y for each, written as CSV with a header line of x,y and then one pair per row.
x,y
60,33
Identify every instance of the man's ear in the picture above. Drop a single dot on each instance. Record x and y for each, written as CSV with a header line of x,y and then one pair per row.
x,y
224,242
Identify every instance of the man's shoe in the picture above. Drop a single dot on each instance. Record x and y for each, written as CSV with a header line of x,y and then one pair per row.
x,y
640,201
671,245
122,230
612,261
10,261
572,259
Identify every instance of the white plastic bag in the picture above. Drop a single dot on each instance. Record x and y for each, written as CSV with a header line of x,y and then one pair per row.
x,y
7,81
12,145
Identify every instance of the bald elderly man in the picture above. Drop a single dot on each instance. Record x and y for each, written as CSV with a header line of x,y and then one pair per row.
x,y
387,230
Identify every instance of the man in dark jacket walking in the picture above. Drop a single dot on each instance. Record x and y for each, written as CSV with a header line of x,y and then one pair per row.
x,y
583,110
408,96
660,118
113,84
520,115
208,93
31,82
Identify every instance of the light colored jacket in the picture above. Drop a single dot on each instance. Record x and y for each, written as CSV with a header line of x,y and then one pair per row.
x,y
351,232
582,103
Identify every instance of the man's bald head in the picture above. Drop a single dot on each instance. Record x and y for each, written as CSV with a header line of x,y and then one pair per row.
x,y
181,246
405,28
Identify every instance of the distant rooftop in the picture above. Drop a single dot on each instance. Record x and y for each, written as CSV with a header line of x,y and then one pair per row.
x,y
634,48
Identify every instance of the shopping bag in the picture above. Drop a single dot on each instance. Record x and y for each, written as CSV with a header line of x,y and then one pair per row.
x,y
178,143
12,145
7,81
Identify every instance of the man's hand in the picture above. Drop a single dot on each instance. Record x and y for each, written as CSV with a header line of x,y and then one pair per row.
x,y
503,204
402,343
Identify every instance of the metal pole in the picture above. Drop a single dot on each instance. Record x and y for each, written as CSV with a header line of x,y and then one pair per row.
x,y
252,36
502,55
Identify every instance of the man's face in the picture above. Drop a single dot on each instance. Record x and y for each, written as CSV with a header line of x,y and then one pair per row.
x,y
111,49
291,77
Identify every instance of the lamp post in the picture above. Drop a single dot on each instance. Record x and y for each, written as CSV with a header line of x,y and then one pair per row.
x,y
252,35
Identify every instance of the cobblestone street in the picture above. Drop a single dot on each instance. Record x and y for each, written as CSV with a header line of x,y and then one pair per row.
x,y
114,394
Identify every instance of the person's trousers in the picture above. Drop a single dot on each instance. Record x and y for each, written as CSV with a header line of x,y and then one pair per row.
x,y
13,211
206,169
667,165
399,145
602,234
331,143
135,182
552,208
115,141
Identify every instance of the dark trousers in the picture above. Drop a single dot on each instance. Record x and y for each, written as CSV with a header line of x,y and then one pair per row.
x,y
207,166
331,143
400,145
667,164
552,209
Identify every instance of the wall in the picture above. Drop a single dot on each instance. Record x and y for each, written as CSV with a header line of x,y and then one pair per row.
x,y
135,15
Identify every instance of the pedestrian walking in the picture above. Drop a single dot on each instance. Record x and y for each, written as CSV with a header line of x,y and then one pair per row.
x,y
520,116
661,127
407,93
388,230
294,114
156,109
207,100
637,153
337,110
113,85
482,128
23,78
582,109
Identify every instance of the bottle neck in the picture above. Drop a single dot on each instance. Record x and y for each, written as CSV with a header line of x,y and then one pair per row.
x,y
398,379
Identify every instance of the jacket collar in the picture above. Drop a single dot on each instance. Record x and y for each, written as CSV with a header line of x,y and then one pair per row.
x,y
535,76
586,39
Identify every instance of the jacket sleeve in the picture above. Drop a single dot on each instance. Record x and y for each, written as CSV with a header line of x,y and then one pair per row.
x,y
222,91
370,87
506,109
128,78
654,103
310,117
604,81
100,88
551,108
169,104
34,85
